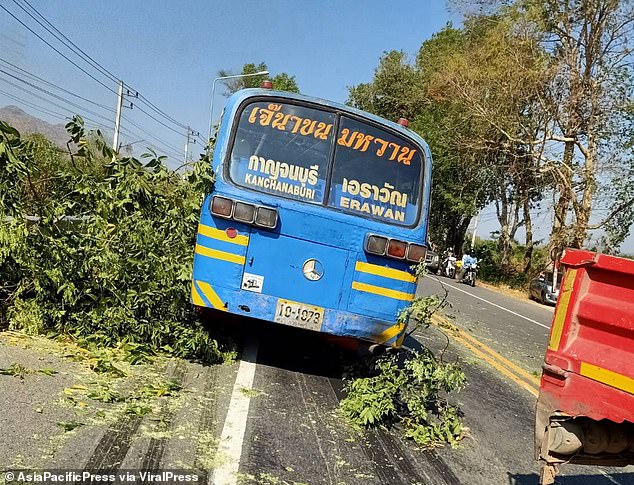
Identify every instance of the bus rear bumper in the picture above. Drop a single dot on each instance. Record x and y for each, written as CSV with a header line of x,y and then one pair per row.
x,y
263,307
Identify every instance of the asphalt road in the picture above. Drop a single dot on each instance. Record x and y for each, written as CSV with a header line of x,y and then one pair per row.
x,y
518,329
270,418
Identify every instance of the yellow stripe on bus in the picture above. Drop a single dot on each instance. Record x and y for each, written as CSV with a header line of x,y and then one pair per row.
x,y
212,296
612,379
377,270
220,235
390,333
224,256
562,309
196,298
379,290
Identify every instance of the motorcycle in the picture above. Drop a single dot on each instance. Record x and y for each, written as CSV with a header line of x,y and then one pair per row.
x,y
449,266
469,276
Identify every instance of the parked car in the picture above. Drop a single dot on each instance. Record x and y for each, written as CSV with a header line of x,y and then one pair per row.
x,y
541,288
432,262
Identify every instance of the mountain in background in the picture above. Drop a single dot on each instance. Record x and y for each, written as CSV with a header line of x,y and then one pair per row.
x,y
27,124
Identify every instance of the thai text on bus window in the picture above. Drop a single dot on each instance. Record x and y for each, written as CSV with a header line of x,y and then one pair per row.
x,y
375,174
283,149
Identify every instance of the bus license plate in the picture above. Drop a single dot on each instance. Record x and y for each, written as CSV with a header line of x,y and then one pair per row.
x,y
299,315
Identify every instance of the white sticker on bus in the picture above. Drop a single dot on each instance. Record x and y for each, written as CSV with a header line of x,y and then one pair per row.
x,y
252,282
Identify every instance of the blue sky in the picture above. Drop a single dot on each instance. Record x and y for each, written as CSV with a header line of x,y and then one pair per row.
x,y
170,52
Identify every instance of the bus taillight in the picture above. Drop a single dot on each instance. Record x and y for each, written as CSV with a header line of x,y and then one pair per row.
x,y
244,212
396,249
416,253
383,246
266,217
221,206
376,245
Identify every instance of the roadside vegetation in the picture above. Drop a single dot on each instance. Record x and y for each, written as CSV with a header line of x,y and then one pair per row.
x,y
411,389
100,247
528,108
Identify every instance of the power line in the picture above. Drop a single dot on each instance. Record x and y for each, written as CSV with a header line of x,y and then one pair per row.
x,y
33,76
87,58
57,50
61,98
147,133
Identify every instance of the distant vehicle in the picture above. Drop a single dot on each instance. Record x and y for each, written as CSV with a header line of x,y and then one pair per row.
x,y
318,211
432,261
541,288
470,272
448,266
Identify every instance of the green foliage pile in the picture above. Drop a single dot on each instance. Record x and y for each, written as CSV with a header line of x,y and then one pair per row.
x,y
120,270
410,388
411,392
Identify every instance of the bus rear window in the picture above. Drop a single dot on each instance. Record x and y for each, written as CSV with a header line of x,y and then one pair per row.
x,y
283,149
375,174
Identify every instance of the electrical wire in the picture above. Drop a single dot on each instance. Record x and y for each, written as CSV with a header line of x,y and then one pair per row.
x,y
48,83
147,133
69,44
44,110
57,50
78,50
61,98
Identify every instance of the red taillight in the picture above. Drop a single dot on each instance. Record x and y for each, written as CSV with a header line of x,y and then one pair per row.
x,y
221,206
416,253
396,249
231,232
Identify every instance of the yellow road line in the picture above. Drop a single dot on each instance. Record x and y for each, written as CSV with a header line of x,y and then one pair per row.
x,y
220,235
497,361
605,376
224,256
379,290
395,274
498,367
531,378
562,309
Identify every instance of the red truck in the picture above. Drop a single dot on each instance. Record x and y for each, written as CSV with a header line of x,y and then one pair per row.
x,y
585,409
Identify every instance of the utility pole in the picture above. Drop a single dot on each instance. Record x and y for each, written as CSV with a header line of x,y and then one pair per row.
x,y
117,121
191,134
475,229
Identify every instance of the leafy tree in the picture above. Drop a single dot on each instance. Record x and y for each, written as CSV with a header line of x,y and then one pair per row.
x,y
121,270
281,81
589,99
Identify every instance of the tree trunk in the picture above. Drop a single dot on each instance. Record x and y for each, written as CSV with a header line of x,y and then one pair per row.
x,y
528,226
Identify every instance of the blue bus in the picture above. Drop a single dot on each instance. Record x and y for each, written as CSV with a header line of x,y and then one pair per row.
x,y
317,214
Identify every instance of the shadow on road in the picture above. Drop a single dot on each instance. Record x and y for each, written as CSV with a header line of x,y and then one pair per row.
x,y
290,348
614,478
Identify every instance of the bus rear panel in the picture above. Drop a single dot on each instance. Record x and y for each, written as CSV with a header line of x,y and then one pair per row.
x,y
314,222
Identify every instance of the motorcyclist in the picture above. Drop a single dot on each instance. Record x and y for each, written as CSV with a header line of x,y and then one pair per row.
x,y
468,260
448,253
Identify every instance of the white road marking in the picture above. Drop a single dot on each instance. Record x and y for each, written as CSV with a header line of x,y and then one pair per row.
x,y
232,436
608,476
498,306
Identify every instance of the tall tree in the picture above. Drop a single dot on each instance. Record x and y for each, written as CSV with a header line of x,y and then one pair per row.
x,y
590,42
281,81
